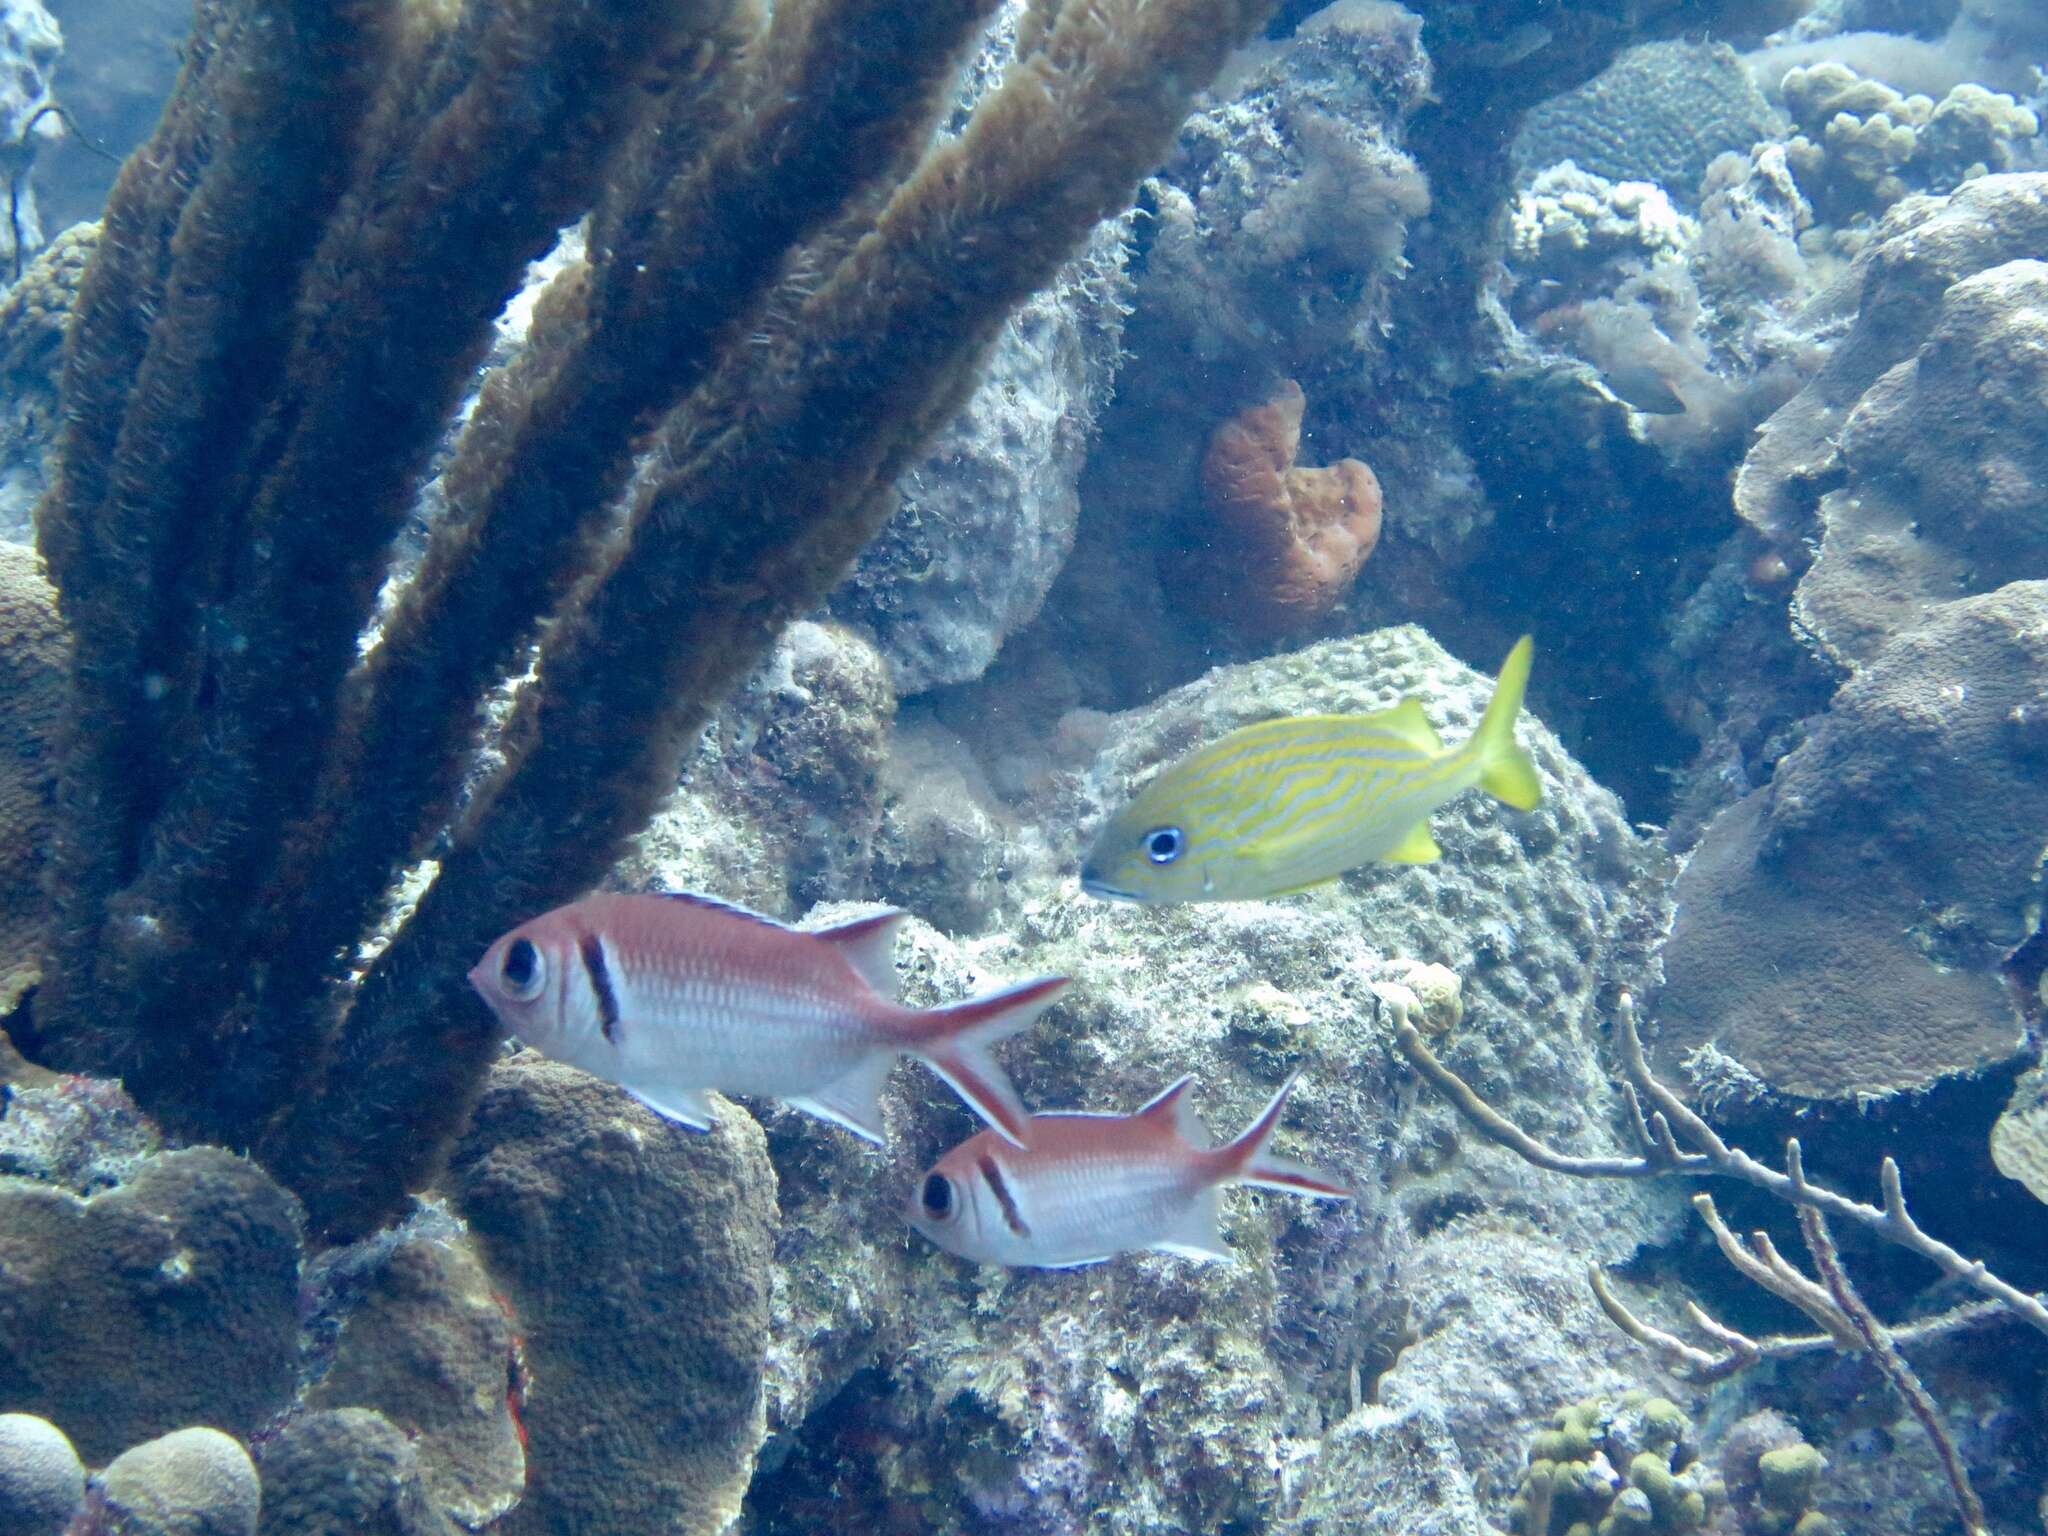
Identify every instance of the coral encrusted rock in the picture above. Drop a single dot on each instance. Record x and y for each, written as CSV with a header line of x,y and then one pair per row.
x,y
1151,1393
191,1482
1947,470
1841,932
31,698
1286,539
169,1301
2019,1137
33,314
1894,290
1659,113
41,1482
422,1339
634,1257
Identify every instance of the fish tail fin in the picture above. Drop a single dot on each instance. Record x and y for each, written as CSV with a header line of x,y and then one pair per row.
x,y
1246,1160
1505,771
954,1042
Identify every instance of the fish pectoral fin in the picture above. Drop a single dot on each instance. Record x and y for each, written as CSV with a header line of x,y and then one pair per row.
x,y
1407,722
1416,847
1199,1233
685,1106
852,1101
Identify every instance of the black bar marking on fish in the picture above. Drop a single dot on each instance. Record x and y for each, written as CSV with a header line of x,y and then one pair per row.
x,y
994,1174
599,970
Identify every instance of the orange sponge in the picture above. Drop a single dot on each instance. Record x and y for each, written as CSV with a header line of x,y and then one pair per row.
x,y
1289,540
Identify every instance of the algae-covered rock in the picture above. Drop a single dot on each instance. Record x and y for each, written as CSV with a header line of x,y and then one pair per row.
x,y
79,1133
191,1482
41,1482
422,1339
346,1472
1842,932
1387,1472
634,1257
1151,1393
782,800
169,1301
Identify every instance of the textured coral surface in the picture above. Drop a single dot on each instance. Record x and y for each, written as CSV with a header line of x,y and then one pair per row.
x,y
1288,539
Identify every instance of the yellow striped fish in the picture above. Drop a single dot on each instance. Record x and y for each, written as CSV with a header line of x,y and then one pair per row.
x,y
1289,803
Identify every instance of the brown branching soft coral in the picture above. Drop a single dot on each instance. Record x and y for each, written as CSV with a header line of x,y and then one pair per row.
x,y
788,287
1285,541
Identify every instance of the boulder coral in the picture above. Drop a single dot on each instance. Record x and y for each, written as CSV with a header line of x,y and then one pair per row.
x,y
1286,540
1843,932
31,700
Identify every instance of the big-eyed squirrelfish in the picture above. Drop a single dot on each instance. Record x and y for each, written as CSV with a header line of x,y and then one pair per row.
x,y
1086,1187
1289,803
671,994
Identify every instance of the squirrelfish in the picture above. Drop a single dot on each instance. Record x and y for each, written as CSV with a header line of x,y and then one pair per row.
x,y
1286,804
670,995
1086,1187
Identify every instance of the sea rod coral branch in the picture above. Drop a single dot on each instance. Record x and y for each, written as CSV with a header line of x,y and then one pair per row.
x,y
1713,1157
773,474
679,250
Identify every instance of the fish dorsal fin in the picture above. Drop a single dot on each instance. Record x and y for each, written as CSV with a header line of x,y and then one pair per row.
x,y
1416,847
720,904
853,1101
869,945
1406,722
1199,1234
685,1106
1173,1106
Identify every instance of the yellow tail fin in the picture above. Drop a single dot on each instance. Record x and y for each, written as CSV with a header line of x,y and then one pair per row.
x,y
1505,771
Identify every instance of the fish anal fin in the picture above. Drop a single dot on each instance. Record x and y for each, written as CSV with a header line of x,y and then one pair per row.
x,y
1416,847
1406,722
684,1106
1174,1106
853,1101
869,945
1199,1232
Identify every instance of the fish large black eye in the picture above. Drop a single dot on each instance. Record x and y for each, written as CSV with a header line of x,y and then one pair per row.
x,y
937,1196
523,971
1163,844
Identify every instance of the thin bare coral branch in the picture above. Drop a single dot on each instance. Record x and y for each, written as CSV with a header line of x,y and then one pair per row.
x,y
1764,1266
1669,1126
1738,1351
1877,1340
1498,1128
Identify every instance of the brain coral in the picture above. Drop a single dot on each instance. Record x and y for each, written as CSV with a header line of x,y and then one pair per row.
x,y
1842,931
31,694
1658,113
1291,539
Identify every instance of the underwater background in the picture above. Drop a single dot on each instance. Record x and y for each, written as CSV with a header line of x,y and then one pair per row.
x,y
457,455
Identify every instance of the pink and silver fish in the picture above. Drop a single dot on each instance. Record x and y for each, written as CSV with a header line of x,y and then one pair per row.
x,y
1085,1187
671,995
